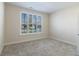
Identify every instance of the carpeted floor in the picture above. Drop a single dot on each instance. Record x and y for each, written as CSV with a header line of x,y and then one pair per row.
x,y
42,47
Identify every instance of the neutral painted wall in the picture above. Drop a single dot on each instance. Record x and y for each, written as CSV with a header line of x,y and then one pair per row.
x,y
12,16
1,26
64,25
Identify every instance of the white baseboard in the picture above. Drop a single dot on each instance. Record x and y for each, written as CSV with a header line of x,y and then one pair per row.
x,y
63,41
9,43
15,42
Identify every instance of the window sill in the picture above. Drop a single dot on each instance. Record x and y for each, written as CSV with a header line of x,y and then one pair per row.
x,y
30,33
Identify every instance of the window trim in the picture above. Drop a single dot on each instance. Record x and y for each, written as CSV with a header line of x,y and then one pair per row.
x,y
28,16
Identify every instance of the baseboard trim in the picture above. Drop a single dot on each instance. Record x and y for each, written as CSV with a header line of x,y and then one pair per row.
x,y
10,43
39,39
67,42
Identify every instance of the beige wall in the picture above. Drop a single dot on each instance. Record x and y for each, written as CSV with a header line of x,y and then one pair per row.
x,y
1,26
64,25
13,25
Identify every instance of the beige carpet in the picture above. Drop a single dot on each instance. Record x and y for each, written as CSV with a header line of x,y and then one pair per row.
x,y
42,47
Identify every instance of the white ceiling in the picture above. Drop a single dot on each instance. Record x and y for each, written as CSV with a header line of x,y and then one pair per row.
x,y
46,7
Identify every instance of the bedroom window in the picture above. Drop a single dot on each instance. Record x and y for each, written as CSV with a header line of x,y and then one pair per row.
x,y
30,23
